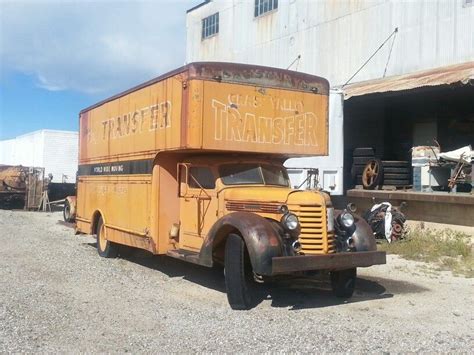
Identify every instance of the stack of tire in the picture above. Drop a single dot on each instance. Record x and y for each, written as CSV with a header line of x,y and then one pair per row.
x,y
392,172
360,158
396,173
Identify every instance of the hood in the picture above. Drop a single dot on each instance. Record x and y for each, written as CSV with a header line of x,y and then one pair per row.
x,y
276,195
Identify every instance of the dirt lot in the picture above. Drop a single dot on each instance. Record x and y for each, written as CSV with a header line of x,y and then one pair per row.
x,y
56,294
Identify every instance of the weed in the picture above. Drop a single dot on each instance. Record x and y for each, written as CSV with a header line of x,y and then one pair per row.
x,y
448,249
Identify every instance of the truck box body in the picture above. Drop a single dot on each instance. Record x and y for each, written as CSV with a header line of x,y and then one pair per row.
x,y
210,106
125,176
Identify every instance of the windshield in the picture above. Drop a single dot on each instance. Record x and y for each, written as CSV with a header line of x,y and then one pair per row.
x,y
254,174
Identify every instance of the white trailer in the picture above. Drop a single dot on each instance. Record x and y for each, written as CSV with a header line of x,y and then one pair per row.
x,y
55,151
330,168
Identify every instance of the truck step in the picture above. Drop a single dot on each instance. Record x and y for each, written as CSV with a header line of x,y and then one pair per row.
x,y
185,255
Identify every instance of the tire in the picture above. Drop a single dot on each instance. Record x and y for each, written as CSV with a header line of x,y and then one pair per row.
x,y
397,182
67,212
238,273
363,152
357,170
390,170
361,160
395,176
105,248
395,164
343,282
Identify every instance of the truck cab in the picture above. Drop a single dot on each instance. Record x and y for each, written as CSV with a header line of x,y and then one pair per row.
x,y
250,196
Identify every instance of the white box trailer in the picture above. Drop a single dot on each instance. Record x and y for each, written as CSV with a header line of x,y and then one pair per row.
x,y
55,151
330,167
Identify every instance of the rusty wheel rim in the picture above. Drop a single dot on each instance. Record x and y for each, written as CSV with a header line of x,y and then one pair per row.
x,y
370,173
101,240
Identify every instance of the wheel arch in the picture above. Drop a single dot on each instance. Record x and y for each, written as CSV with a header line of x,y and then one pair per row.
x,y
261,240
95,220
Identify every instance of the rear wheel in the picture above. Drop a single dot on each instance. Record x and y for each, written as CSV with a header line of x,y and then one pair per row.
x,y
67,212
343,282
238,273
105,248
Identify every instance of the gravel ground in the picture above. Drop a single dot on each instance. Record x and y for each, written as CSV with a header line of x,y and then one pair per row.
x,y
58,295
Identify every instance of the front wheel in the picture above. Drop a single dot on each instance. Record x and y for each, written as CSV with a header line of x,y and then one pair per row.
x,y
238,273
343,282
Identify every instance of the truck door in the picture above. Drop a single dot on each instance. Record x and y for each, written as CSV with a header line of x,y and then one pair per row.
x,y
198,205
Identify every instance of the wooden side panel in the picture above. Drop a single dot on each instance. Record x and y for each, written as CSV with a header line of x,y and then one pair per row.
x,y
246,118
123,201
135,125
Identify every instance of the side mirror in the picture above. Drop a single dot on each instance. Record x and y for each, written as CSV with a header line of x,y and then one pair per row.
x,y
183,173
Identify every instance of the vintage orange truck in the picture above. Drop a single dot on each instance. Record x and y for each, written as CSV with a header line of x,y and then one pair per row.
x,y
190,165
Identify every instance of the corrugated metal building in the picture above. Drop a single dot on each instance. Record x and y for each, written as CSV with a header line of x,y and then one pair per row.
x,y
55,151
334,38
416,87
410,64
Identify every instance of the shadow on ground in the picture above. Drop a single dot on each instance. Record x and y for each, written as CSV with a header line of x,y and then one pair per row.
x,y
289,292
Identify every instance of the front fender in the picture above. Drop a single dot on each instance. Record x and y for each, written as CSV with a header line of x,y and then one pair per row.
x,y
363,235
261,239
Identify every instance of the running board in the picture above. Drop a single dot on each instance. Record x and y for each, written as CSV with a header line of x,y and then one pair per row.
x,y
186,255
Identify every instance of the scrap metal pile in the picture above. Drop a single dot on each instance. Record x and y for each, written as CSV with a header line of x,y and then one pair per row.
x,y
448,171
12,186
386,221
22,186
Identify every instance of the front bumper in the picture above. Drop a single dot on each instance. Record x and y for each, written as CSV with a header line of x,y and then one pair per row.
x,y
337,261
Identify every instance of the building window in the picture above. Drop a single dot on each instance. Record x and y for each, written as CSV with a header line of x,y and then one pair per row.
x,y
210,25
467,3
264,6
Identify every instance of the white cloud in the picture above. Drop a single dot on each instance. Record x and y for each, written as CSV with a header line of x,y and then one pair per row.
x,y
92,46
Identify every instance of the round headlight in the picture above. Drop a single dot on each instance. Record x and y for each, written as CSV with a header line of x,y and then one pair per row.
x,y
291,221
347,219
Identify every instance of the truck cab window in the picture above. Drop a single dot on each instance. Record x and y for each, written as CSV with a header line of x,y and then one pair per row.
x,y
256,174
203,176
275,175
241,174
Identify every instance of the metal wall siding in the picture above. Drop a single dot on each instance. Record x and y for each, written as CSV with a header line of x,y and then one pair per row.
x,y
56,151
60,155
334,38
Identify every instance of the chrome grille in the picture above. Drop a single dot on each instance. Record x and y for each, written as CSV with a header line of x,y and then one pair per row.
x,y
314,238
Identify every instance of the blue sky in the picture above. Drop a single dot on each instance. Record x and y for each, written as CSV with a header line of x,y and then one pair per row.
x,y
58,57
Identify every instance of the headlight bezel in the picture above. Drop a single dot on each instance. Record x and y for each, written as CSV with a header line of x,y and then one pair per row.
x,y
346,220
285,222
